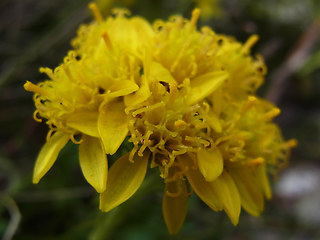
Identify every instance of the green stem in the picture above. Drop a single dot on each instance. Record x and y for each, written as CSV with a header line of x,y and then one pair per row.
x,y
108,222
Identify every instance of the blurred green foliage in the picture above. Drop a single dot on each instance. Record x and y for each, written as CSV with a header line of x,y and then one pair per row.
x,y
62,206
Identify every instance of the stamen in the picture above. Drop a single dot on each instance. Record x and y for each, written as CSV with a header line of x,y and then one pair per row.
x,y
222,139
132,153
271,114
204,142
35,116
249,104
147,108
30,87
107,40
249,43
291,143
195,17
74,140
49,134
255,162
145,143
96,12
47,71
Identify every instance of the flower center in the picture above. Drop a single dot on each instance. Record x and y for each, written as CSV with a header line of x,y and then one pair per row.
x,y
168,128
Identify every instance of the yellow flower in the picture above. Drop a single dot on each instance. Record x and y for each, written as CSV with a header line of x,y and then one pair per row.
x,y
186,98
201,124
83,95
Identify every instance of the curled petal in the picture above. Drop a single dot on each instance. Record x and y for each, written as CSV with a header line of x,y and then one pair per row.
x,y
48,155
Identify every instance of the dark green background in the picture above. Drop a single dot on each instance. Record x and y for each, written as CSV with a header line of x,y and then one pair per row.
x,y
37,33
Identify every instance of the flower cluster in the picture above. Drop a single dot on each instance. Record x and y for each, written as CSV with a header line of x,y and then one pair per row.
x,y
186,99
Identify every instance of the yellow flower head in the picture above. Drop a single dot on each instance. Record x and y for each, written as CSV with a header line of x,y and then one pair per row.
x,y
186,99
103,67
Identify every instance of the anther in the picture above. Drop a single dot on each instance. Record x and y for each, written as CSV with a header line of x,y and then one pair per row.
x,y
95,11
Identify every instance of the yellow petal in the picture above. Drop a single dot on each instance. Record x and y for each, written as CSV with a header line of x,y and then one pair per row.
x,y
229,196
210,163
204,85
203,188
217,101
120,31
214,121
161,73
48,155
264,181
85,122
143,28
112,126
93,162
175,205
124,179
122,88
249,189
139,96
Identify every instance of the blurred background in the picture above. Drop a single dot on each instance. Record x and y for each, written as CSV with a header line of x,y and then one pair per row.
x,y
63,206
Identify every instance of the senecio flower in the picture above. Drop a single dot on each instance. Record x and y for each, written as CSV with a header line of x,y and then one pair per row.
x,y
186,100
